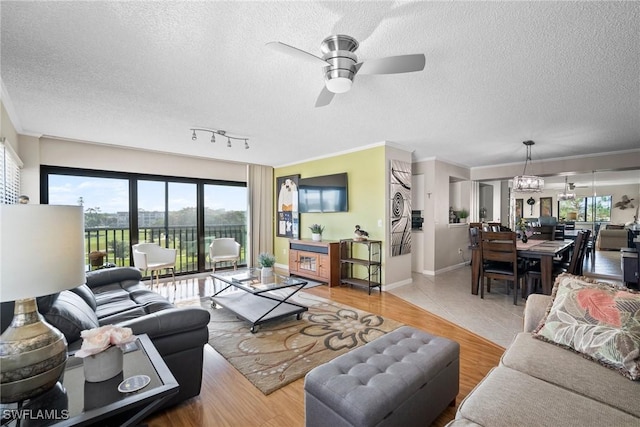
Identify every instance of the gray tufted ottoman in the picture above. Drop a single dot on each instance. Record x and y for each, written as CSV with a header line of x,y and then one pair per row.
x,y
404,378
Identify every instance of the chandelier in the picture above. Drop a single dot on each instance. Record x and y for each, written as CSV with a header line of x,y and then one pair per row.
x,y
566,194
220,133
527,183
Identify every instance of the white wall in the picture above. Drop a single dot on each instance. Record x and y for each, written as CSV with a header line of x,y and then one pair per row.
x,y
442,240
35,152
397,269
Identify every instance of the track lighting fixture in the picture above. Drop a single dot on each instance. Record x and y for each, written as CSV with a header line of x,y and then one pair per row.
x,y
222,133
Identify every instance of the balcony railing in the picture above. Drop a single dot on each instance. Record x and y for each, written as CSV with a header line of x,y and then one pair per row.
x,y
115,243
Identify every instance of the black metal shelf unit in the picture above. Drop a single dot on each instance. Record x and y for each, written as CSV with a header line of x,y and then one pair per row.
x,y
356,269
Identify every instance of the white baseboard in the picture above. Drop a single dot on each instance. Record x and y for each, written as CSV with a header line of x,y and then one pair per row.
x,y
446,269
390,286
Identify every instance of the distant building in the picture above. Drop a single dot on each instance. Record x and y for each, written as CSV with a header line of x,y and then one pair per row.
x,y
145,218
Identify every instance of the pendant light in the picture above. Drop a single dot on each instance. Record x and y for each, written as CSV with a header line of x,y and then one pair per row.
x,y
527,183
566,194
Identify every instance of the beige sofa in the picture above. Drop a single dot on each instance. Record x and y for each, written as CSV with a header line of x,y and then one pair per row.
x,y
541,384
612,239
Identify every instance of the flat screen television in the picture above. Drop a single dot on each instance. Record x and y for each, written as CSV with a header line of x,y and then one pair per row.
x,y
326,193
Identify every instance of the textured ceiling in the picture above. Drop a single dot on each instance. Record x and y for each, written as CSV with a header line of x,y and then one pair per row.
x,y
140,74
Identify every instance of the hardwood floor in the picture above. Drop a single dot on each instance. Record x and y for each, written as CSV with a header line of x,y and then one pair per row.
x,y
228,399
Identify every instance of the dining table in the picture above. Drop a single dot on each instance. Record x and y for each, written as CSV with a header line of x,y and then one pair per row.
x,y
542,250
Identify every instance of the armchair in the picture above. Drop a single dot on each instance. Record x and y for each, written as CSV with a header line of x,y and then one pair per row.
x,y
153,257
224,249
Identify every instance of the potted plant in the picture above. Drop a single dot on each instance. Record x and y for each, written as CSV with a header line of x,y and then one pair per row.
x,y
316,232
463,214
266,261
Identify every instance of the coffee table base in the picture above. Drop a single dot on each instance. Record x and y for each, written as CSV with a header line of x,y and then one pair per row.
x,y
257,309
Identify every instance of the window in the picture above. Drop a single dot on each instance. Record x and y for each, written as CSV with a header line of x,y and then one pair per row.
x,y
105,202
123,208
586,209
10,166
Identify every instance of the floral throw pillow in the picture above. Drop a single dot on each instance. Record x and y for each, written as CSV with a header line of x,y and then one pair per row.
x,y
599,320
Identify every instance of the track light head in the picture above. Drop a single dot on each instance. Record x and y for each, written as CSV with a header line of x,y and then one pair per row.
x,y
218,132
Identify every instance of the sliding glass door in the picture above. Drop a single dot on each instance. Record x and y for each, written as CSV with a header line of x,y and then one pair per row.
x,y
106,213
225,215
122,209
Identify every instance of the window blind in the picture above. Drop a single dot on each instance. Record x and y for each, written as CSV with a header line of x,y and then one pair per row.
x,y
10,165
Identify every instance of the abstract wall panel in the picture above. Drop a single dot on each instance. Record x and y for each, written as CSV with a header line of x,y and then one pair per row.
x,y
400,210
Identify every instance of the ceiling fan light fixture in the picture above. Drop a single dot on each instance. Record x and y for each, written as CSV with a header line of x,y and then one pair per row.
x,y
339,84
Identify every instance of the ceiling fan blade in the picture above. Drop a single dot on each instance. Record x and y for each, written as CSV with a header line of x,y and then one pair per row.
x,y
392,64
294,51
324,98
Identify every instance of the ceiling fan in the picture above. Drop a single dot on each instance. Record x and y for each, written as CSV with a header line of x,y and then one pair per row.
x,y
340,64
573,186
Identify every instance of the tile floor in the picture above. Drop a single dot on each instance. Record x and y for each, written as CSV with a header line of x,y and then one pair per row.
x,y
447,295
495,317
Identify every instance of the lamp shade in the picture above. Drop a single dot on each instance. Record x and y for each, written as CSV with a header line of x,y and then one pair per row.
x,y
41,250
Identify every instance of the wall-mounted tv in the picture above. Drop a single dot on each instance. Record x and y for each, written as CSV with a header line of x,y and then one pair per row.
x,y
326,193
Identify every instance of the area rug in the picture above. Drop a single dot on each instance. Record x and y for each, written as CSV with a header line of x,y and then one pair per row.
x,y
283,351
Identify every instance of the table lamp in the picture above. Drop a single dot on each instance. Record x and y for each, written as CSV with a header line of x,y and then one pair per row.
x,y
41,253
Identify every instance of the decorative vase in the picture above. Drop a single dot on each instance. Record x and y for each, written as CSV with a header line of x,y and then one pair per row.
x,y
316,237
525,239
266,275
104,365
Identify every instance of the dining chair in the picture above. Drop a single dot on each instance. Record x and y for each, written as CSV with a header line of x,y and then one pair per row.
x,y
573,266
542,232
591,245
500,260
492,226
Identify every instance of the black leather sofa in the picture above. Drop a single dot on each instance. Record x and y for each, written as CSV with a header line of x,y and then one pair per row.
x,y
117,296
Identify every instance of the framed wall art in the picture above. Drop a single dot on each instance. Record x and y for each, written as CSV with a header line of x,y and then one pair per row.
x,y
519,207
287,208
546,206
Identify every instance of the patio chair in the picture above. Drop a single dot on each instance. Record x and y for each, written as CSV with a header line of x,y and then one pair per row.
x,y
224,249
153,257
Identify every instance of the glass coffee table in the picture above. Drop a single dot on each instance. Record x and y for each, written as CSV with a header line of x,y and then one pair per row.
x,y
246,296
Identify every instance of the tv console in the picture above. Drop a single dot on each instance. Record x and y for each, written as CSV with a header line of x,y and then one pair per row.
x,y
315,260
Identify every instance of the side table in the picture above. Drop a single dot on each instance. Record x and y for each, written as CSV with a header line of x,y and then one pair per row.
x,y
75,402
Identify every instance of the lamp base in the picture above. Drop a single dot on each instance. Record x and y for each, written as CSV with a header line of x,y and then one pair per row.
x,y
32,354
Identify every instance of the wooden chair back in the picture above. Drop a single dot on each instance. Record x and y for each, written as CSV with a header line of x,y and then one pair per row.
x,y
543,232
499,259
499,246
579,249
474,237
